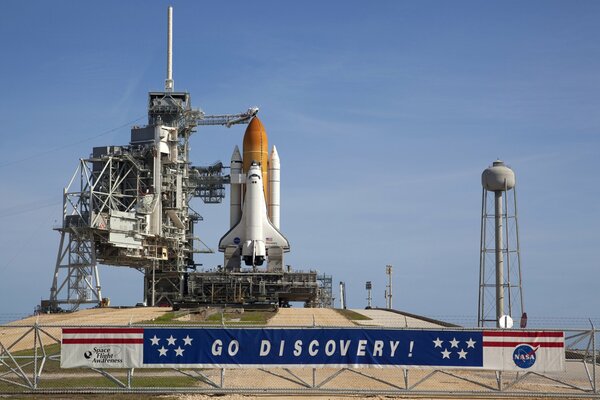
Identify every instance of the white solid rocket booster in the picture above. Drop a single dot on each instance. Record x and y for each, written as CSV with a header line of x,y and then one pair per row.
x,y
274,188
235,207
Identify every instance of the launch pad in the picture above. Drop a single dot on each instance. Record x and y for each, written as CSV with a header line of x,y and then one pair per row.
x,y
255,289
129,206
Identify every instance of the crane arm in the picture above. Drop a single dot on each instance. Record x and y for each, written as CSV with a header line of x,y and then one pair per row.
x,y
197,117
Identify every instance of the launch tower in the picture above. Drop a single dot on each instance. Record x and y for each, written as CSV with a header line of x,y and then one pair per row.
x,y
129,206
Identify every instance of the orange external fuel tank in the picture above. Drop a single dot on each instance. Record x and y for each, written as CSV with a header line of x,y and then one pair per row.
x,y
256,148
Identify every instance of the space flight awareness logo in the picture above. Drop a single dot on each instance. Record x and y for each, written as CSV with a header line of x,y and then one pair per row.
x,y
103,355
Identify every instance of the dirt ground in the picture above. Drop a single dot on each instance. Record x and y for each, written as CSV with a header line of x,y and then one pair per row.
x,y
52,323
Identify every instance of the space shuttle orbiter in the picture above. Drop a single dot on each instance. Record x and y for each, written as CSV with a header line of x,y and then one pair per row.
x,y
254,234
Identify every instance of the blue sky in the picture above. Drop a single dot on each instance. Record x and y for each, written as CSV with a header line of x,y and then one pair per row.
x,y
384,115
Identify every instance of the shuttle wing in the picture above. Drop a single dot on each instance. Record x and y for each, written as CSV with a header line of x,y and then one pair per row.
x,y
234,236
272,236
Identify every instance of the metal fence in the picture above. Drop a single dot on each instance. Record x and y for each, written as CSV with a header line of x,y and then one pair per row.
x,y
30,363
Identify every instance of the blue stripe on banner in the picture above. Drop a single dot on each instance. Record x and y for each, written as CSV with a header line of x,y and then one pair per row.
x,y
314,346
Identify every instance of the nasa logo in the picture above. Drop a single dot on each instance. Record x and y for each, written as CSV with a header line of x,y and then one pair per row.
x,y
87,355
236,240
524,356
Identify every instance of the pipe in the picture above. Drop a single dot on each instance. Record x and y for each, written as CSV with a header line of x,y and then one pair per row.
x,y
499,258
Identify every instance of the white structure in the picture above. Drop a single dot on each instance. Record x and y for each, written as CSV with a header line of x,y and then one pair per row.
x,y
254,232
343,295
235,199
274,188
500,288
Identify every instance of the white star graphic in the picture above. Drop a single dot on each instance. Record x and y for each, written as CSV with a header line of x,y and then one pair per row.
x,y
171,340
438,342
179,351
154,340
471,343
454,343
462,354
162,351
187,340
446,353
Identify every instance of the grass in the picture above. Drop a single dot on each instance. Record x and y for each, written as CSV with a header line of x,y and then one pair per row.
x,y
102,382
169,317
352,315
111,396
50,350
245,318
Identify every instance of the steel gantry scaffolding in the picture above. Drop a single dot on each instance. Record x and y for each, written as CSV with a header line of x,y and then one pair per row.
x,y
129,206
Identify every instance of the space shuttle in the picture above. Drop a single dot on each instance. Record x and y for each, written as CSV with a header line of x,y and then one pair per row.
x,y
254,236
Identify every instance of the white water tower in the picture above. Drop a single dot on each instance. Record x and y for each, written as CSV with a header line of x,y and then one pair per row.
x,y
500,289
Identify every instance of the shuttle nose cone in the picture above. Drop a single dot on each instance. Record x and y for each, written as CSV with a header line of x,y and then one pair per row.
x,y
255,148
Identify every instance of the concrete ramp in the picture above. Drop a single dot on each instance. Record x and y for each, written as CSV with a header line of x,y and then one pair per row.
x,y
11,334
391,319
306,316
96,316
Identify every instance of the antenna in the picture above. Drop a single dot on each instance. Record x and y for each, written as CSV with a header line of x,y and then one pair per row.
x,y
169,81
388,292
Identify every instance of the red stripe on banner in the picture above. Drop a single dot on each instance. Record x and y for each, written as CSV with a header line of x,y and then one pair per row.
x,y
71,331
522,334
103,341
514,344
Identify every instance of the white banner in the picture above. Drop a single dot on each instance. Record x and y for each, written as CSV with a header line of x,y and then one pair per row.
x,y
160,347
102,347
538,351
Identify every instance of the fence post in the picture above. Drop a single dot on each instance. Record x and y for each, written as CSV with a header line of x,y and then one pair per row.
x,y
499,380
594,358
314,370
35,354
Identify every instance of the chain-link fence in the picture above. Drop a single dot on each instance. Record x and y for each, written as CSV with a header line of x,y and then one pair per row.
x,y
30,363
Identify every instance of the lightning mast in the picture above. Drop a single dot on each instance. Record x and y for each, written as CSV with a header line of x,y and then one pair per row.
x,y
169,84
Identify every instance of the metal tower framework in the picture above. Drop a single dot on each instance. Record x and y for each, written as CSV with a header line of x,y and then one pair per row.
x,y
325,297
499,215
369,287
388,290
129,206
77,258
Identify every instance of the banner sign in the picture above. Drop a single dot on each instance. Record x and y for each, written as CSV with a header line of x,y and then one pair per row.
x,y
502,350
